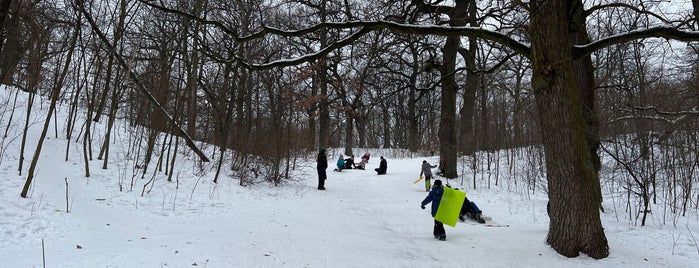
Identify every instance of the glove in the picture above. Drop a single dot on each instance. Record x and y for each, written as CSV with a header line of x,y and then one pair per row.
x,y
421,206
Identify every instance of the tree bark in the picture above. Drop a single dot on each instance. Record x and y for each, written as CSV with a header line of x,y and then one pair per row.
x,y
447,124
4,9
23,145
585,74
414,139
572,181
466,139
324,120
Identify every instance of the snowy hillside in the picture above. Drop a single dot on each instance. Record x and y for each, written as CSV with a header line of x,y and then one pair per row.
x,y
361,220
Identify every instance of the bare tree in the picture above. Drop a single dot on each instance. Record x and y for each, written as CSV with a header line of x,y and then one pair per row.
x,y
136,80
55,93
558,47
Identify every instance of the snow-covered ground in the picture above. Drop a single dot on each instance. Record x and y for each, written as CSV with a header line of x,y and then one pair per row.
x,y
361,220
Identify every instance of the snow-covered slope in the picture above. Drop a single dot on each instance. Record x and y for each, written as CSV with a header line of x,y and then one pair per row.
x,y
361,220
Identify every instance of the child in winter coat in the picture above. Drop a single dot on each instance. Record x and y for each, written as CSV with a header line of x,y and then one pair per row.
x,y
365,157
340,163
435,196
361,165
427,171
322,164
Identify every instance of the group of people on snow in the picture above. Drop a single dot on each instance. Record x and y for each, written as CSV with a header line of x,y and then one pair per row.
x,y
468,209
345,163
349,163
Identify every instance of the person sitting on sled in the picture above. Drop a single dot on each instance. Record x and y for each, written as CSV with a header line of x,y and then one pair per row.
x,y
361,165
349,162
365,157
435,196
340,163
469,209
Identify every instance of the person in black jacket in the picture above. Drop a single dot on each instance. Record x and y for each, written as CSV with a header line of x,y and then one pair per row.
x,y
382,167
322,165
349,162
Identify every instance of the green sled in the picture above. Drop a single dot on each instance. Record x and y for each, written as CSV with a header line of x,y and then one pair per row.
x,y
450,206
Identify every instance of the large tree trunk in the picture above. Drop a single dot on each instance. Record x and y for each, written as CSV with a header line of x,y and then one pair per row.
x,y
13,47
447,123
414,139
584,71
572,181
467,141
324,120
4,9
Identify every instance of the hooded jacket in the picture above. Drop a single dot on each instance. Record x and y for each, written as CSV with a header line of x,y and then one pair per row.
x,y
435,196
322,160
427,170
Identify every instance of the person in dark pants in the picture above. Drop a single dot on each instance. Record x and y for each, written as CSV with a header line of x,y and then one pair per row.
x,y
435,196
471,210
322,165
382,167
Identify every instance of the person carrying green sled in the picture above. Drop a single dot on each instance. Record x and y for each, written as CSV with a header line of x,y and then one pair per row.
x,y
435,196
427,171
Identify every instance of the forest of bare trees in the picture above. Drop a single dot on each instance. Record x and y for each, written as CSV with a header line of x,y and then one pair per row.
x,y
268,82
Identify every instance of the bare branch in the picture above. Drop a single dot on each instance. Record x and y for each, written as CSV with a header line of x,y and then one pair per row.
x,y
217,24
369,26
680,116
661,112
497,65
653,32
365,26
624,5
308,57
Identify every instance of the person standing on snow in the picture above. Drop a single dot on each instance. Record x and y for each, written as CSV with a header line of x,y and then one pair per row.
x,y
321,166
427,171
435,196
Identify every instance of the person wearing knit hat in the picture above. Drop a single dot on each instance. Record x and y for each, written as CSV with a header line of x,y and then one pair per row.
x,y
322,165
435,196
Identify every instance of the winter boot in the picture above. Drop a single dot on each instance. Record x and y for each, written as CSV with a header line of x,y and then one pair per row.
x,y
478,218
443,238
